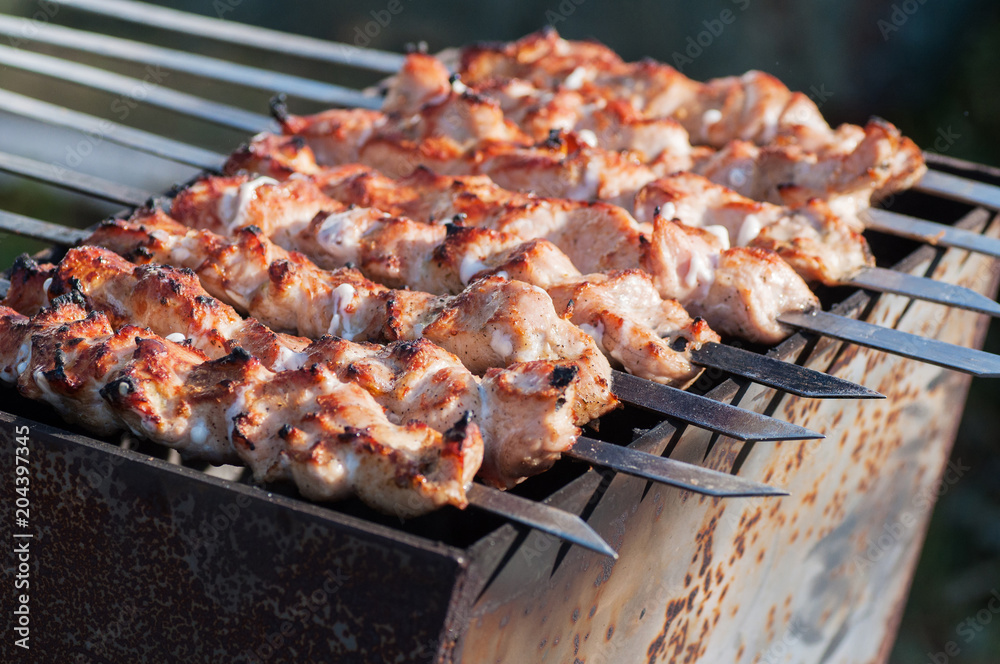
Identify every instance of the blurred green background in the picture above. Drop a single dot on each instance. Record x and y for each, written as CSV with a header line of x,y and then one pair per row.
x,y
931,67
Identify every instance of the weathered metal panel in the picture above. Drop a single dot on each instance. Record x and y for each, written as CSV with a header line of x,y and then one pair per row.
x,y
821,575
137,560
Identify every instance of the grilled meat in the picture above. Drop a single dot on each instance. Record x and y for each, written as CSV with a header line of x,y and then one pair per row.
x,y
415,379
813,240
411,380
596,237
800,157
424,82
337,441
754,107
498,323
440,259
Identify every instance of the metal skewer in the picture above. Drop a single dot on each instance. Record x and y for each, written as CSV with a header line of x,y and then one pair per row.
x,y
772,372
137,139
157,95
890,281
929,232
201,65
968,191
564,525
669,471
705,413
949,356
241,34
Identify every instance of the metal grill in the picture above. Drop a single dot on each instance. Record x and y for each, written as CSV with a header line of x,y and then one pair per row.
x,y
476,568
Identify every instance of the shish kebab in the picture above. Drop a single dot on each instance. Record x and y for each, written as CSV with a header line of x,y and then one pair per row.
x,y
622,311
331,438
885,221
466,133
762,369
756,107
685,251
492,323
724,113
415,382
276,286
854,331
793,163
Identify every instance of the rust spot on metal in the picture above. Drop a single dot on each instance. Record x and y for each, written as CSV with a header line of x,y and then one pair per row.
x,y
658,646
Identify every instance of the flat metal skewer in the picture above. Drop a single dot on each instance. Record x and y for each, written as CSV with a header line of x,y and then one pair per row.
x,y
705,413
154,94
961,189
191,63
949,356
772,372
241,34
137,139
929,232
669,471
73,180
548,519
890,281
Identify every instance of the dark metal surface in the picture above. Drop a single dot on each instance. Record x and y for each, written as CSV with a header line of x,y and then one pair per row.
x,y
134,559
241,34
897,342
921,288
930,232
770,371
669,471
704,412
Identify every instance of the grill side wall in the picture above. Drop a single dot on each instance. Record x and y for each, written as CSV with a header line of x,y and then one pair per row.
x,y
136,560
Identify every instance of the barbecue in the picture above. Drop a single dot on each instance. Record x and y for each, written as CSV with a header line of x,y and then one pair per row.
x,y
459,285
